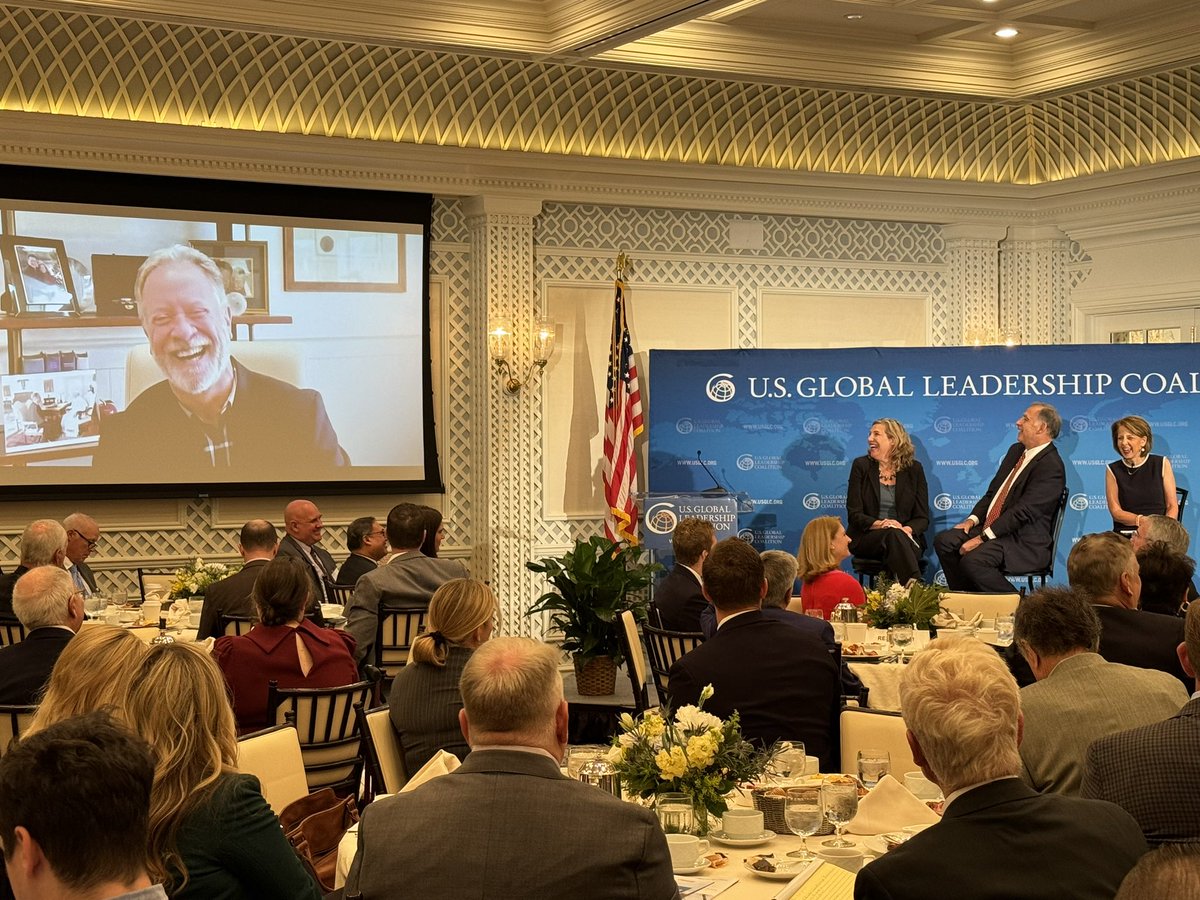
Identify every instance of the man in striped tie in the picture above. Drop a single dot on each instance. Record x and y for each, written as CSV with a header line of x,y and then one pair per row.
x,y
1011,528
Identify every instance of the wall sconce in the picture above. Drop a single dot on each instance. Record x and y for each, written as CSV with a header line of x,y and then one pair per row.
x,y
500,348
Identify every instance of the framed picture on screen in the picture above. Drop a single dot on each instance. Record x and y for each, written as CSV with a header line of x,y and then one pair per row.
x,y
332,259
38,276
243,266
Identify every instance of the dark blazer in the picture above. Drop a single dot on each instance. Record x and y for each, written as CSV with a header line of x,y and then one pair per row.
x,y
229,597
7,582
781,679
289,546
88,576
1002,840
278,431
1139,638
862,498
423,705
679,600
355,566
518,828
1152,773
25,666
1026,525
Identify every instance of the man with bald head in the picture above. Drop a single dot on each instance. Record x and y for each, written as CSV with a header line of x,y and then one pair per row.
x,y
211,418
51,608
517,826
43,543
230,596
304,527
82,535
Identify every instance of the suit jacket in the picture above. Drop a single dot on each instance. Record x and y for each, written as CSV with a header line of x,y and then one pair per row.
x,y
679,600
408,580
1001,840
7,582
268,653
1085,698
1145,639
88,576
289,546
1026,524
782,680
229,597
25,666
1152,773
279,432
862,498
518,828
355,566
423,704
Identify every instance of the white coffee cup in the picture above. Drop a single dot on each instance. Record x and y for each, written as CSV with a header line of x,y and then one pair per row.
x,y
812,765
920,786
112,615
856,633
129,616
742,823
194,620
686,850
196,604
151,610
848,858
987,635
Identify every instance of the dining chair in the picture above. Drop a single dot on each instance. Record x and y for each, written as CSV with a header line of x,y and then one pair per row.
x,y
328,731
1048,570
341,593
273,756
384,757
397,628
14,719
234,625
876,729
635,660
990,605
11,632
1181,495
157,581
664,647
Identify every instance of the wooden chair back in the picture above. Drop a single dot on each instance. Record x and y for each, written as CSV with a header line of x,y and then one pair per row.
x,y
381,749
328,731
13,721
664,647
341,593
398,628
11,632
273,756
876,729
235,625
635,659
991,605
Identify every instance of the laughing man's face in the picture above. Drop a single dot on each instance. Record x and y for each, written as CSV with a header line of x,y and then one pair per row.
x,y
187,323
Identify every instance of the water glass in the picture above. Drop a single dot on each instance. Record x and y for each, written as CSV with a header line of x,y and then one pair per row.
x,y
791,760
841,805
804,815
901,636
674,812
1004,629
872,766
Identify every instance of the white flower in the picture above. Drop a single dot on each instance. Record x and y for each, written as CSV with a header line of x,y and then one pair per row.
x,y
628,739
615,753
896,592
692,719
627,722
706,694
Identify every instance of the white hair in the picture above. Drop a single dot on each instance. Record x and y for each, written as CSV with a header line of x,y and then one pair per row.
x,y
41,597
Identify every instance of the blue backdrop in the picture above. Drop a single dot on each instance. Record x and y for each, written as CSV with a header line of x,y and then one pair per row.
x,y
784,425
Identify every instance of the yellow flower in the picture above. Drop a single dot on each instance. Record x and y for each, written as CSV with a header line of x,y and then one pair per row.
x,y
701,750
672,764
627,722
653,725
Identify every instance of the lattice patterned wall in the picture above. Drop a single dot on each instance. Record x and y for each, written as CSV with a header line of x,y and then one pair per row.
x,y
1035,287
95,66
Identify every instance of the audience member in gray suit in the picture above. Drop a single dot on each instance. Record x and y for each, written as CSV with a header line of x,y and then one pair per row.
x,y
508,823
82,535
408,580
424,699
230,596
302,521
1153,772
1078,696
43,543
51,609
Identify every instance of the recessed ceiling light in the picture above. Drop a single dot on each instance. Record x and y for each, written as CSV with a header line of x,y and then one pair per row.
x,y
1006,32
853,17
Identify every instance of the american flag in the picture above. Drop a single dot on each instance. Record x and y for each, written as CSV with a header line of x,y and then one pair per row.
x,y
622,423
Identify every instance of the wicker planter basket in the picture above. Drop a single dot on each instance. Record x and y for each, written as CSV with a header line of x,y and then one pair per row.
x,y
596,677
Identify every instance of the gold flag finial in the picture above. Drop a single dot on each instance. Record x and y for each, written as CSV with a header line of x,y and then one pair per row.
x,y
622,265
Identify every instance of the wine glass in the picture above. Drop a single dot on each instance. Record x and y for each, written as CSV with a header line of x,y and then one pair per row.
x,y
803,815
1004,629
901,636
841,803
872,766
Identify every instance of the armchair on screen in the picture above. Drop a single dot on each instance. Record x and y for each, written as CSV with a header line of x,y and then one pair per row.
x,y
279,359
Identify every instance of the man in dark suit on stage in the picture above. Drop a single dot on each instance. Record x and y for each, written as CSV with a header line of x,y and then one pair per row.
x,y
997,836
782,680
302,521
678,597
366,539
507,823
43,543
51,609
1011,528
1153,772
231,596
1105,567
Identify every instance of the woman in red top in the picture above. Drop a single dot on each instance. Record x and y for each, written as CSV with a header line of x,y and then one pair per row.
x,y
283,646
823,546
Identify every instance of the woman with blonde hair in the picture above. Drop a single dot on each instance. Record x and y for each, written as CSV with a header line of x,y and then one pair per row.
x,y
823,546
424,699
887,502
93,672
1140,483
211,832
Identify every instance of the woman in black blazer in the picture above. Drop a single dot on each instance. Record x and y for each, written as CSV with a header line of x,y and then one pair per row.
x,y
887,502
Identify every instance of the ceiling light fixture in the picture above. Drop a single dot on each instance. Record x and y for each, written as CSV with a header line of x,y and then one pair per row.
x,y
1006,32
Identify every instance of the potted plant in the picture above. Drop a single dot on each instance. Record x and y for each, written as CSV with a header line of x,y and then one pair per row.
x,y
593,584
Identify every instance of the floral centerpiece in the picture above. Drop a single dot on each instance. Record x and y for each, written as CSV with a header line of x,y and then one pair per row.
x,y
693,752
194,578
889,603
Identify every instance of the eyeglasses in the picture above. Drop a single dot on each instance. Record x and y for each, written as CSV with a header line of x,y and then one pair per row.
x,y
89,541
377,534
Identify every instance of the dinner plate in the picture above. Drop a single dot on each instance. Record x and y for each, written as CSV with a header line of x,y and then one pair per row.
x,y
873,657
749,841
692,870
790,869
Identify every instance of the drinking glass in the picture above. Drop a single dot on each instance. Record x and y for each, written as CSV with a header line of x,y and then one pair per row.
x,y
803,814
581,754
790,761
901,636
1004,629
841,803
674,812
872,766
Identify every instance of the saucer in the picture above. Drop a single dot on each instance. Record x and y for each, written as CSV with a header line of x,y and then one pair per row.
x,y
692,870
788,870
750,840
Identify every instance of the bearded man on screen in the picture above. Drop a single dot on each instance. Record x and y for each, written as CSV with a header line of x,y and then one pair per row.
x,y
212,418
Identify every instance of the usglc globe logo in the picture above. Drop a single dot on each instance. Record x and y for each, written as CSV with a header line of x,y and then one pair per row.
x,y
685,426
940,578
1078,424
747,535
1079,502
812,426
745,462
942,502
719,388
812,501
942,424
661,518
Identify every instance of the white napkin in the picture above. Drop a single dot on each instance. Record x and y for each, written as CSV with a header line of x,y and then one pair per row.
x,y
442,763
948,619
889,807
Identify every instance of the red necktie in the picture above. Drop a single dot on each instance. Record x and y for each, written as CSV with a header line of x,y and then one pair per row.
x,y
998,506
